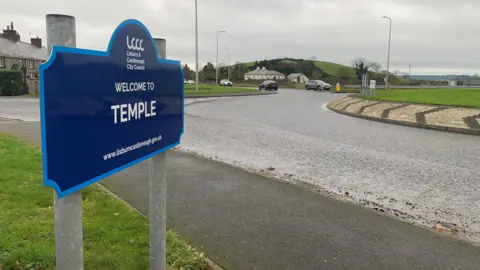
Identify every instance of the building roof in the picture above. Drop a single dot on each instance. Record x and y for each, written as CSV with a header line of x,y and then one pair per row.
x,y
295,75
263,71
22,50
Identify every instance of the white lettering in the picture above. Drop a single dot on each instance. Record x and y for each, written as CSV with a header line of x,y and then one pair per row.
x,y
135,44
130,111
141,108
115,108
152,108
118,86
123,113
134,86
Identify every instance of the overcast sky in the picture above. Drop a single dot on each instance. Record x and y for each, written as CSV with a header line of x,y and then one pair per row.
x,y
434,36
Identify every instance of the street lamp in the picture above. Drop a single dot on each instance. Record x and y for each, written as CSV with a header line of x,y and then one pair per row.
x,y
216,66
196,48
389,41
228,62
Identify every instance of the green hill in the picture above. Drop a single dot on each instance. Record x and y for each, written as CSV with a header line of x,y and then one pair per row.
x,y
332,69
319,70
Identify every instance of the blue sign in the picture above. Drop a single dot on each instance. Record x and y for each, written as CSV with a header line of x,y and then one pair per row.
x,y
102,112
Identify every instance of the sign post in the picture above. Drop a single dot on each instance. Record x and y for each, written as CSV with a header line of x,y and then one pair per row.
x,y
67,210
102,112
157,199
372,91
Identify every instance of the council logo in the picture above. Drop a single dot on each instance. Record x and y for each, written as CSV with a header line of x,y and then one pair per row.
x,y
135,44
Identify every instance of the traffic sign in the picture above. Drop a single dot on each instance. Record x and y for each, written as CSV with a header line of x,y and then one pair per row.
x,y
102,112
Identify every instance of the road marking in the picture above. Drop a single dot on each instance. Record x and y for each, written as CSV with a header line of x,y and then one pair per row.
x,y
325,108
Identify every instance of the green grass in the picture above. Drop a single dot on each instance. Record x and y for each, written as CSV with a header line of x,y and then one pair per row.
x,y
333,68
212,89
115,236
451,97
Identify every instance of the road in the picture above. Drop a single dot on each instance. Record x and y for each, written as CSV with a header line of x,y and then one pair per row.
x,y
421,175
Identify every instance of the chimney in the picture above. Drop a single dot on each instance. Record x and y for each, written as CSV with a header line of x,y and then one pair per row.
x,y
11,34
36,42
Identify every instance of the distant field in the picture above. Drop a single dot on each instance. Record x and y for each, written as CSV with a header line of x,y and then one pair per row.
x,y
212,89
452,97
333,68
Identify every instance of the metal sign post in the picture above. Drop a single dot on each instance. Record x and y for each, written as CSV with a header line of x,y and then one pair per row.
x,y
67,210
372,87
102,112
158,197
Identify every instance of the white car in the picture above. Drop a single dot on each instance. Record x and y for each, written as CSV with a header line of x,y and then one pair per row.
x,y
317,85
191,82
226,83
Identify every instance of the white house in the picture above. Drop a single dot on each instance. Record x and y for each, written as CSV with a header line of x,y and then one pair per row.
x,y
297,78
263,74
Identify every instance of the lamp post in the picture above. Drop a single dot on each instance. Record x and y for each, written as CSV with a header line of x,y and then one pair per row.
x,y
228,62
216,66
389,41
196,48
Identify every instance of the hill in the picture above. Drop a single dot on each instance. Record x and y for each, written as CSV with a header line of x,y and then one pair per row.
x,y
327,71
332,69
318,70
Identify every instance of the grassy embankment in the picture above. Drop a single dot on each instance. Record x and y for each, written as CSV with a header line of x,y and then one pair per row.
x,y
115,236
451,97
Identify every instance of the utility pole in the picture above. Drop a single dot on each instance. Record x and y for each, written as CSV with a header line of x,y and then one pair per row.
x,y
228,63
196,48
389,41
216,66
409,71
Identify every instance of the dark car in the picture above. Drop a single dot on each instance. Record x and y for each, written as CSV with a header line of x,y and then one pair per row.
x,y
268,85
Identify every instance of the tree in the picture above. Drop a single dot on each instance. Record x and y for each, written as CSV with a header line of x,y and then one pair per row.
x,y
361,69
188,73
208,72
375,66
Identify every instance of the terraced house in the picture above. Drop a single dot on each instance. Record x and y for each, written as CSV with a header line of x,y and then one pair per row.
x,y
263,74
16,54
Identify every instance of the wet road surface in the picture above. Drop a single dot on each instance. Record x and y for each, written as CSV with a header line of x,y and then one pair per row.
x,y
421,175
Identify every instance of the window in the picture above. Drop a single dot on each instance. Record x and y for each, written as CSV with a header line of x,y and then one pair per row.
x,y
2,62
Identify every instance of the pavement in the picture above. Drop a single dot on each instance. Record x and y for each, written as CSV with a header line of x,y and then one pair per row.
x,y
247,221
454,119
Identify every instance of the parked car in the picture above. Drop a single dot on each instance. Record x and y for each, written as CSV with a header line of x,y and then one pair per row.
x,y
185,82
268,85
226,83
191,82
317,85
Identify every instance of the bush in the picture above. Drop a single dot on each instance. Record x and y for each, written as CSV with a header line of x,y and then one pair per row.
x,y
11,83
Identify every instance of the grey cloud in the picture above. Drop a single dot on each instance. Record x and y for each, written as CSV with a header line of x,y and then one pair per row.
x,y
428,34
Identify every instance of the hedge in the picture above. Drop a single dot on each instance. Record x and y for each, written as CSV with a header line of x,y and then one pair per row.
x,y
11,83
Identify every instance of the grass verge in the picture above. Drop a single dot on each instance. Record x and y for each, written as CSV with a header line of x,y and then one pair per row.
x,y
115,236
212,89
450,97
